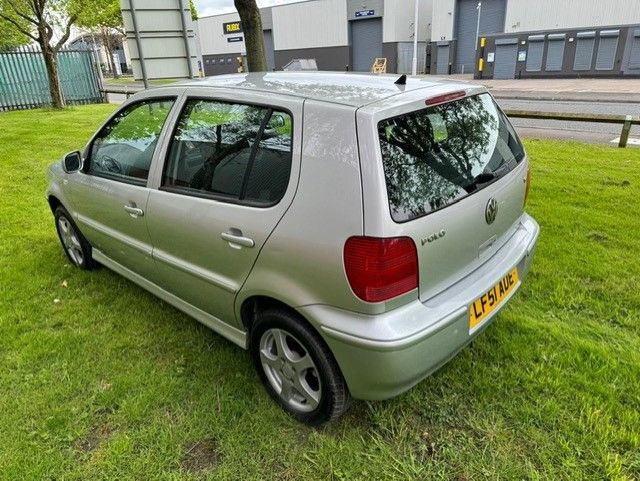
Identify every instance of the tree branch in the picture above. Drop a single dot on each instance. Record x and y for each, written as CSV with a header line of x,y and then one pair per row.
x,y
18,27
22,15
67,32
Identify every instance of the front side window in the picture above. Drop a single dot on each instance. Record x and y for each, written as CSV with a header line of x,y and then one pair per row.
x,y
436,156
124,148
230,151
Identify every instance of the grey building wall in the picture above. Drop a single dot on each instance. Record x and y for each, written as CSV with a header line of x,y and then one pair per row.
x,y
220,64
595,66
354,6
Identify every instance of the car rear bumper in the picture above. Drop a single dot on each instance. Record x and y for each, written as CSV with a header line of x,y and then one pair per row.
x,y
383,355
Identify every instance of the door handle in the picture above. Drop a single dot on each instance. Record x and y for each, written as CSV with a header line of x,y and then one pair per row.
x,y
238,240
134,211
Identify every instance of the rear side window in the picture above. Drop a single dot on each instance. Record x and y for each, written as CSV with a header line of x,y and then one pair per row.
x,y
124,148
230,152
436,156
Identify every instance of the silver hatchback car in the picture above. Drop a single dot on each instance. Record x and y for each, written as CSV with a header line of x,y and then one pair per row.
x,y
353,232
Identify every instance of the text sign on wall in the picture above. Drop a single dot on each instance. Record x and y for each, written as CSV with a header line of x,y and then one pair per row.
x,y
232,27
365,13
234,39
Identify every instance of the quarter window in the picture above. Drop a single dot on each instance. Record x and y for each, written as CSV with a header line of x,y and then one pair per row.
x,y
124,148
230,151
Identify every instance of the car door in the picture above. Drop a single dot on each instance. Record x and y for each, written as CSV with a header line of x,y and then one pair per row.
x,y
110,194
229,176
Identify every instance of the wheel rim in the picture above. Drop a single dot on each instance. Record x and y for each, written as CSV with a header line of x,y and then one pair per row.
x,y
290,370
70,240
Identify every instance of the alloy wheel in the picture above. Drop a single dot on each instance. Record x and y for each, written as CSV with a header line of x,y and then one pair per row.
x,y
70,240
290,370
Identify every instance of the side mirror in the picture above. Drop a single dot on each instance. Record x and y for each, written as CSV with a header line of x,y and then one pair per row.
x,y
72,162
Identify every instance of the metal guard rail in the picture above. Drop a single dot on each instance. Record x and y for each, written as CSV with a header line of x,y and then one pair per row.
x,y
625,120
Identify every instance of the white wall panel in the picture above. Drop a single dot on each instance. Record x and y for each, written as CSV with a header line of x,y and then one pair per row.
x,y
397,25
442,19
312,24
212,38
523,15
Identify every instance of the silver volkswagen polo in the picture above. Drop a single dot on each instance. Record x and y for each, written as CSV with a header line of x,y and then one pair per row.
x,y
353,232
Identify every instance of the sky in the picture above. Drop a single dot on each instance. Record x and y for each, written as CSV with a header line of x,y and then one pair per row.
x,y
214,7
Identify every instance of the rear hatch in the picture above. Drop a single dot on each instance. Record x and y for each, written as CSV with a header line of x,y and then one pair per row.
x,y
446,170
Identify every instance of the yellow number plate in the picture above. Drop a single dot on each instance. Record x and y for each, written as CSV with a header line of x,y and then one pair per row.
x,y
487,302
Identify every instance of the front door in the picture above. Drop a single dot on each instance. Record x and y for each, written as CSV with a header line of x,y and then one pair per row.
x,y
110,194
224,187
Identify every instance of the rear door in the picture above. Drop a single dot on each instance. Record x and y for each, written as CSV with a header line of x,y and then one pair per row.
x,y
228,177
451,176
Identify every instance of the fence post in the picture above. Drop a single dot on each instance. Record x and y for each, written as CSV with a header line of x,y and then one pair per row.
x,y
624,135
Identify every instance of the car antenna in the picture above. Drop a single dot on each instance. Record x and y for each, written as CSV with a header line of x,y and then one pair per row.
x,y
402,80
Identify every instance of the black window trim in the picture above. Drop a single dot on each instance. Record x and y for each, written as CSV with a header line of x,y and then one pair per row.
x,y
226,199
484,186
122,179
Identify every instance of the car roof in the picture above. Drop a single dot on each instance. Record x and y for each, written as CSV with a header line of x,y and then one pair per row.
x,y
347,88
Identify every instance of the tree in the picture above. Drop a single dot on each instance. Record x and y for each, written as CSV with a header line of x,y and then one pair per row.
x,y
253,38
105,18
10,37
194,11
38,20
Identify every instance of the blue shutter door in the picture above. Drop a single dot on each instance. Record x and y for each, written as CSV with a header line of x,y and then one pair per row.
x,y
366,38
584,51
505,59
607,48
634,57
442,60
555,52
534,53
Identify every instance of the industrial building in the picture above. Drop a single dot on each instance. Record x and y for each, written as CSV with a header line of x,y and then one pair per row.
x,y
338,34
546,38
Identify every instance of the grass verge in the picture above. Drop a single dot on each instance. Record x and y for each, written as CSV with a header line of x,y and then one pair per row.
x,y
100,380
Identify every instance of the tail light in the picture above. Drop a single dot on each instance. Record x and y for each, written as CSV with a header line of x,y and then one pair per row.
x,y
381,268
527,186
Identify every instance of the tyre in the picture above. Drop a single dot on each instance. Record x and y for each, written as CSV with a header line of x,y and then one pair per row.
x,y
76,247
297,368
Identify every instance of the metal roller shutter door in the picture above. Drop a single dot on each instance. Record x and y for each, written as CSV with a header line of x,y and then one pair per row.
x,y
534,53
634,57
504,66
607,48
584,51
268,50
555,52
366,38
491,21
442,60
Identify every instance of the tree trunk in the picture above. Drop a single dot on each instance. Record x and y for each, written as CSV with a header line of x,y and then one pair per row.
x,y
51,63
106,41
253,37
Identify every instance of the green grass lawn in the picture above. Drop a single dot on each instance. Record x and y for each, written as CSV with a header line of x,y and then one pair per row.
x,y
128,80
100,380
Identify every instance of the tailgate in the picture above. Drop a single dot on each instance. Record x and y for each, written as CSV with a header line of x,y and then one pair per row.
x,y
449,174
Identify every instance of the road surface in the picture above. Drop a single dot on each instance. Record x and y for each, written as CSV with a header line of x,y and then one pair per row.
x,y
582,131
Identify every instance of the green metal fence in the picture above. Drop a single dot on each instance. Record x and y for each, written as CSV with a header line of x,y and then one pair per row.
x,y
24,81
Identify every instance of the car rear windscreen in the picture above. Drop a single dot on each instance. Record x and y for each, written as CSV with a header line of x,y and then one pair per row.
x,y
436,156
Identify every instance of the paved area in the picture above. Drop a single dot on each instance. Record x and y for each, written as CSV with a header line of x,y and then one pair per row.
x,y
618,90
